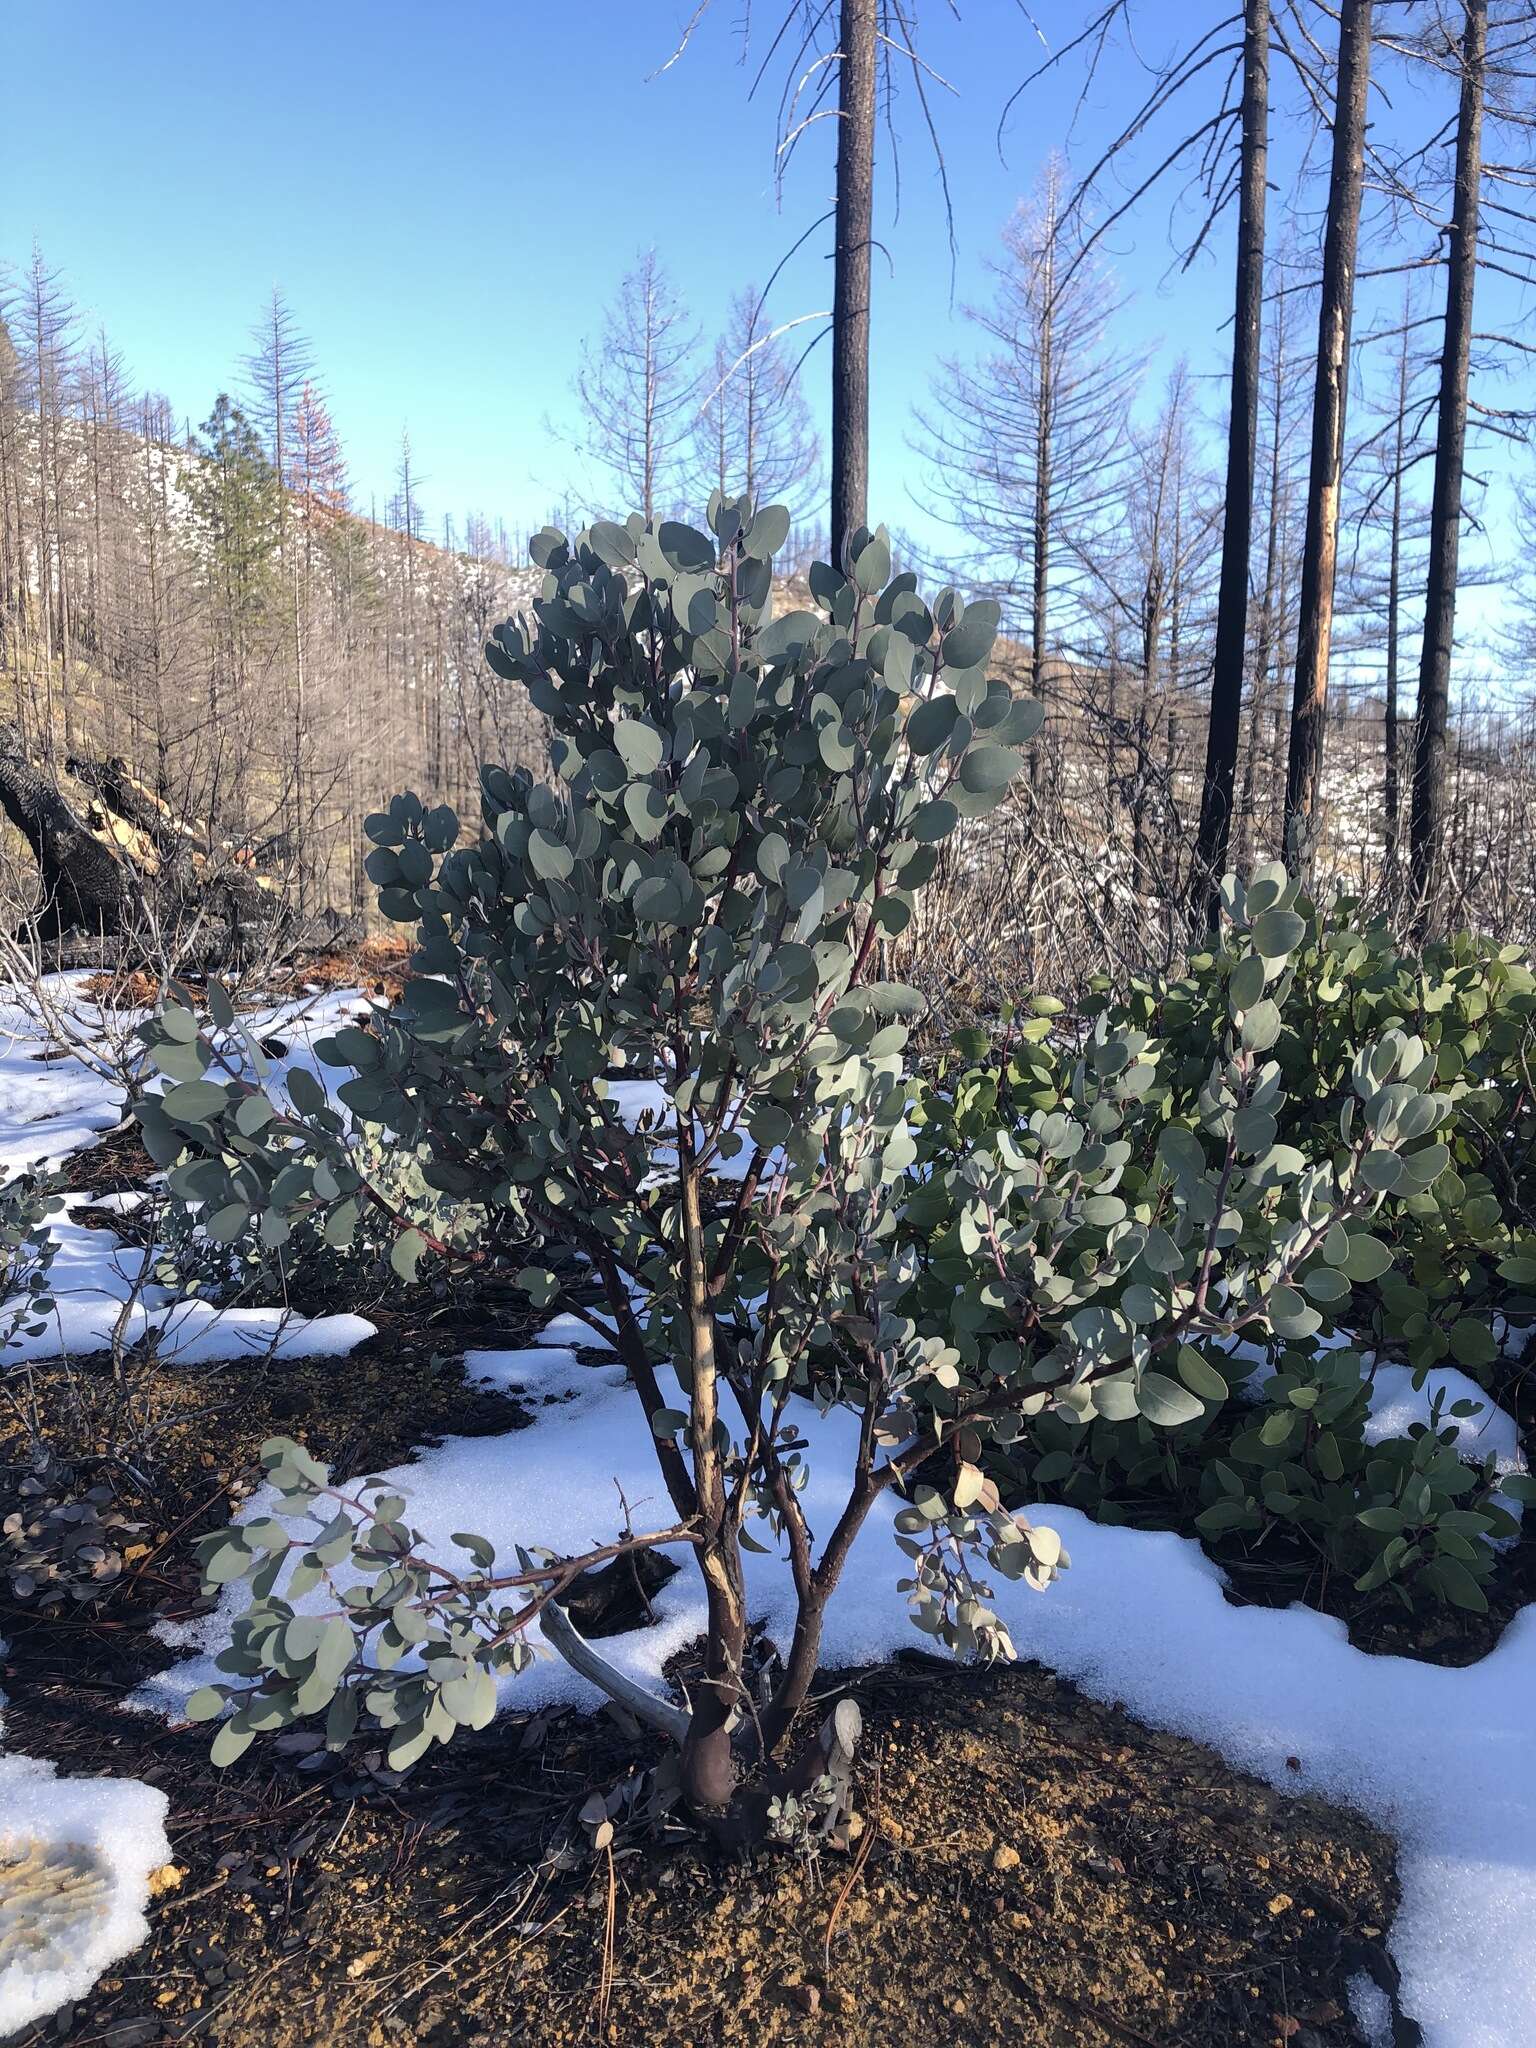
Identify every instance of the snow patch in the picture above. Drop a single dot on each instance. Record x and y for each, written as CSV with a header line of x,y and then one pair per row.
x,y
1372,2010
75,1861
547,1373
49,1107
101,1296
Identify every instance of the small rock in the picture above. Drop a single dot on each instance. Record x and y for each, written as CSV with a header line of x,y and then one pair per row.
x,y
1004,1857
361,1965
1282,1902
807,1997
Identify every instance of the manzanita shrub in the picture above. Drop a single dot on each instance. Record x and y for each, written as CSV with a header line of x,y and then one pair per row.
x,y
1441,1278
1473,1003
739,809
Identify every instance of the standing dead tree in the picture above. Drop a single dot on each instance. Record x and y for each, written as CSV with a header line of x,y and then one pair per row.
x,y
853,233
851,79
1027,448
638,389
1223,155
753,432
1330,398
1428,815
1230,660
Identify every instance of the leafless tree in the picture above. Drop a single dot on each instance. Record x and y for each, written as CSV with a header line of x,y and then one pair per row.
x,y
1026,446
753,430
637,388
1229,667
1388,524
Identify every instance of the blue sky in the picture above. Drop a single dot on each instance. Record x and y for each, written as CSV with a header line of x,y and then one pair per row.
x,y
448,195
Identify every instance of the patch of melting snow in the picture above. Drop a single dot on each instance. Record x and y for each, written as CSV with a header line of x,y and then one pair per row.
x,y
1372,2009
547,1373
101,1296
48,1109
76,1859
52,1108
99,1284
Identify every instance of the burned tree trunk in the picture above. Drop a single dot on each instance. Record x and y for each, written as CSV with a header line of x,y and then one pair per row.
x,y
1427,824
854,229
87,886
1242,443
114,784
121,875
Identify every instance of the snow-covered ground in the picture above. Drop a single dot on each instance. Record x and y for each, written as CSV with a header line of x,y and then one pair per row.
x,y
1446,1759
51,1106
102,1297
48,1107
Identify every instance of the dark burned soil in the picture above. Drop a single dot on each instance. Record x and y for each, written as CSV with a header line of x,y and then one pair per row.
x,y
1035,1868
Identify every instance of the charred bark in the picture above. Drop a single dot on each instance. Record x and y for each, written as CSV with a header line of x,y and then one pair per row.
x,y
854,229
1427,824
1242,444
121,876
84,886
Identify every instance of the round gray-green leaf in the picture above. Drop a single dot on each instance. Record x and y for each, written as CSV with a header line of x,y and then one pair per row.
x,y
549,857
1199,1376
931,723
768,532
646,809
639,744
191,1101
1165,1403
1247,982
1277,933
1368,1257
986,769
971,641
232,1741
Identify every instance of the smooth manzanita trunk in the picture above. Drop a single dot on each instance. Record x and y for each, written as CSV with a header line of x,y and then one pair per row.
x,y
1330,398
858,38
1242,444
709,1770
1428,819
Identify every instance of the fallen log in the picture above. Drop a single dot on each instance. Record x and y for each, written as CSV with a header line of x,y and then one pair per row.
x,y
121,875
86,884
